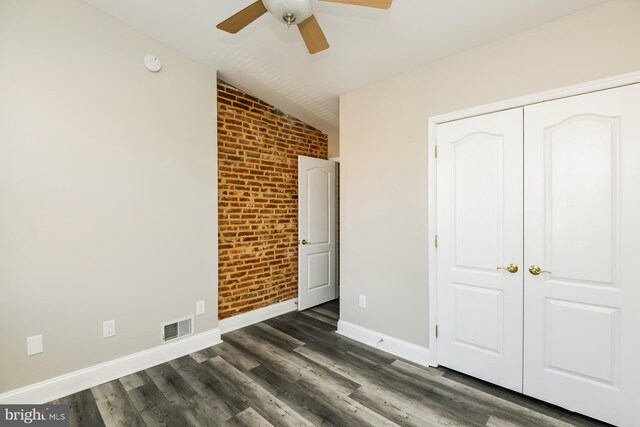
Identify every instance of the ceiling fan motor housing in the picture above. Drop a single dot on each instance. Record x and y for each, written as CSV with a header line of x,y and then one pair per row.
x,y
300,9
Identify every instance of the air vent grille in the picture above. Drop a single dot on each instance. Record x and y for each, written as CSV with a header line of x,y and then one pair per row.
x,y
177,329
170,331
184,327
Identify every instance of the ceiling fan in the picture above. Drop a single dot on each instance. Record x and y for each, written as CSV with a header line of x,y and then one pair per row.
x,y
299,12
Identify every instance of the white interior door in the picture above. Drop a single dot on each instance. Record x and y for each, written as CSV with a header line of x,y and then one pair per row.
x,y
316,232
582,224
480,232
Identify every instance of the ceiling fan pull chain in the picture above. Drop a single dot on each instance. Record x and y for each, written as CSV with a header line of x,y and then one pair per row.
x,y
289,18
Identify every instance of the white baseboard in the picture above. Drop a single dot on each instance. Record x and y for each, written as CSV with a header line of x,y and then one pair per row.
x,y
256,316
83,379
395,346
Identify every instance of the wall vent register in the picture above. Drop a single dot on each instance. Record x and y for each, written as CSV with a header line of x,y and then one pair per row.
x,y
177,329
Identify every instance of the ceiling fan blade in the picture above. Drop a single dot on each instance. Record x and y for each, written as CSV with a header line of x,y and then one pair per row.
x,y
313,36
380,4
243,18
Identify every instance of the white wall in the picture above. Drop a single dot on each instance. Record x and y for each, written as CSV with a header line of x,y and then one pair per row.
x,y
107,188
383,150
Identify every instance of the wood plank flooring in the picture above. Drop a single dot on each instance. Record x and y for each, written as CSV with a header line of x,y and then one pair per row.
x,y
294,370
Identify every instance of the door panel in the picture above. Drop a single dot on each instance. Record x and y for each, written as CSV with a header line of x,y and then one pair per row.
x,y
581,175
319,270
477,171
316,232
601,343
582,193
480,229
481,333
318,188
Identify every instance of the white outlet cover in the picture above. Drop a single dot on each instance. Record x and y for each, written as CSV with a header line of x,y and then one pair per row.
x,y
200,307
363,301
34,345
108,328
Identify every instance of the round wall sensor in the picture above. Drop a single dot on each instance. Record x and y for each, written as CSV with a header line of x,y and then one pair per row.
x,y
152,63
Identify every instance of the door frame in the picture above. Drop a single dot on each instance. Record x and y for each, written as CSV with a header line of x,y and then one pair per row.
x,y
336,224
433,122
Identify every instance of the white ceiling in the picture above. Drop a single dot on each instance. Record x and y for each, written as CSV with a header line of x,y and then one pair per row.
x,y
271,62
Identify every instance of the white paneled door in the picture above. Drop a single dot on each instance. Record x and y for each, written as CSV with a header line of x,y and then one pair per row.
x,y
563,325
316,232
582,229
480,254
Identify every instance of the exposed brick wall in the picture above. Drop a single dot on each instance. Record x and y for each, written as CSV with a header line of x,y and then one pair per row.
x,y
258,148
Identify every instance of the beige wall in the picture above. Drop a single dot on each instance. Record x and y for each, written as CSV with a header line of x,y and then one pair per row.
x,y
384,149
334,144
107,188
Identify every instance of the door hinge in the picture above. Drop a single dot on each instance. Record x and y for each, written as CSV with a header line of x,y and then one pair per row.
x,y
436,241
436,151
436,330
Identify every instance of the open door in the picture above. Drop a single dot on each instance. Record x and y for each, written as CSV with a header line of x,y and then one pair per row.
x,y
316,232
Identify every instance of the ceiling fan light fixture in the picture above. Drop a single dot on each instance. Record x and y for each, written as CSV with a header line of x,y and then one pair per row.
x,y
290,11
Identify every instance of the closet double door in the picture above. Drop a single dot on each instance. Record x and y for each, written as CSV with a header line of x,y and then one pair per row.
x,y
539,251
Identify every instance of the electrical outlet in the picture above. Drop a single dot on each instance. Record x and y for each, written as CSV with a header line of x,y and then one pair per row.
x,y
363,301
200,307
108,328
34,345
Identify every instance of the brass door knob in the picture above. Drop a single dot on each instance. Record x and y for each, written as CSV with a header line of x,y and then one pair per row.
x,y
536,270
511,268
304,242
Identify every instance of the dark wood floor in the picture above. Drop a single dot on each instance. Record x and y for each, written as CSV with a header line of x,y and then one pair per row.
x,y
294,370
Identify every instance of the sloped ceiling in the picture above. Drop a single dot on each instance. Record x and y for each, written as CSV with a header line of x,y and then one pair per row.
x,y
270,61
